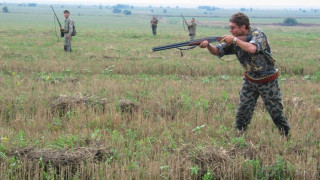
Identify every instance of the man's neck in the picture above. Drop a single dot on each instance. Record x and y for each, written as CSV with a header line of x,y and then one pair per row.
x,y
246,32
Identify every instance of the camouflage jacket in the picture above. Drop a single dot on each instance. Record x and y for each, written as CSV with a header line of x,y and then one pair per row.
x,y
257,65
154,22
192,28
68,26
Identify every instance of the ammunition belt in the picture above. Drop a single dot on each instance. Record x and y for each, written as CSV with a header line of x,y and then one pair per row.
x,y
263,79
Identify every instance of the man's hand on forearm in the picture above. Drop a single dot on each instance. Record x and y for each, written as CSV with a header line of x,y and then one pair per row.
x,y
228,39
212,49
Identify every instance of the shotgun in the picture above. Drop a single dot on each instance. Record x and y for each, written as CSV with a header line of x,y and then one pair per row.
x,y
62,33
195,43
183,21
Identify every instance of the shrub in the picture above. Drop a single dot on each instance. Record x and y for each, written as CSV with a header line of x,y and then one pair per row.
x,y
127,12
5,9
290,22
116,10
32,4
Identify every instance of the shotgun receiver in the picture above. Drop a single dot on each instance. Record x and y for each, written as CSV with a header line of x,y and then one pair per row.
x,y
55,15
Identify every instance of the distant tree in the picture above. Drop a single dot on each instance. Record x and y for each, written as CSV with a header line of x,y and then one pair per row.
x,y
32,4
243,9
164,11
290,22
177,7
100,6
79,7
131,7
62,6
121,6
160,6
116,10
208,8
205,12
151,10
0,4
5,9
127,12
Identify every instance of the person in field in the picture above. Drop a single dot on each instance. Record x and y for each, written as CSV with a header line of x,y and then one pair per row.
x,y
154,24
261,74
67,30
192,27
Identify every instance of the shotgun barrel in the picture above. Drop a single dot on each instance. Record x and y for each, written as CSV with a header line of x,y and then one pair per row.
x,y
192,43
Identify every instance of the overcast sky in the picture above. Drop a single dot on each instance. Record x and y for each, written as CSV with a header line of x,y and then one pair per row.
x,y
188,3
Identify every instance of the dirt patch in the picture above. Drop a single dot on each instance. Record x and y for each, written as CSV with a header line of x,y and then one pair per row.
x,y
218,160
128,106
62,157
109,57
72,80
4,32
63,103
212,158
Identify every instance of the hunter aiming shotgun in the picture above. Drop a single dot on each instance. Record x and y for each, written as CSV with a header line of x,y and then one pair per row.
x,y
55,15
195,43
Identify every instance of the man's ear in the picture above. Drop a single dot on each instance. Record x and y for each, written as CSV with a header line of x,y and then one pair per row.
x,y
243,27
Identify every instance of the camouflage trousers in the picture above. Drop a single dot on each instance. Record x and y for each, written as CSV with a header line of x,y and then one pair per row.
x,y
271,95
67,43
192,36
154,30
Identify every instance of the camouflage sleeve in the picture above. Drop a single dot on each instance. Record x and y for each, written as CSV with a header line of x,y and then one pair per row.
x,y
259,39
191,25
225,49
70,27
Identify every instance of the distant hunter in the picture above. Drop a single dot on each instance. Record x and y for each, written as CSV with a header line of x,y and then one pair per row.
x,y
192,27
67,30
154,24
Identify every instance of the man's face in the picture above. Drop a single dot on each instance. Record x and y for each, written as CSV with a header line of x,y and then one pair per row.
x,y
192,20
235,30
66,15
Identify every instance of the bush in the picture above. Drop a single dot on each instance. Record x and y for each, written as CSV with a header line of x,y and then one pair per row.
x,y
116,10
32,4
5,9
127,12
290,22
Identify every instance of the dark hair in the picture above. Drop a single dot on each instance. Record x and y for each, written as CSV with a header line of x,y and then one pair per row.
x,y
66,11
240,19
